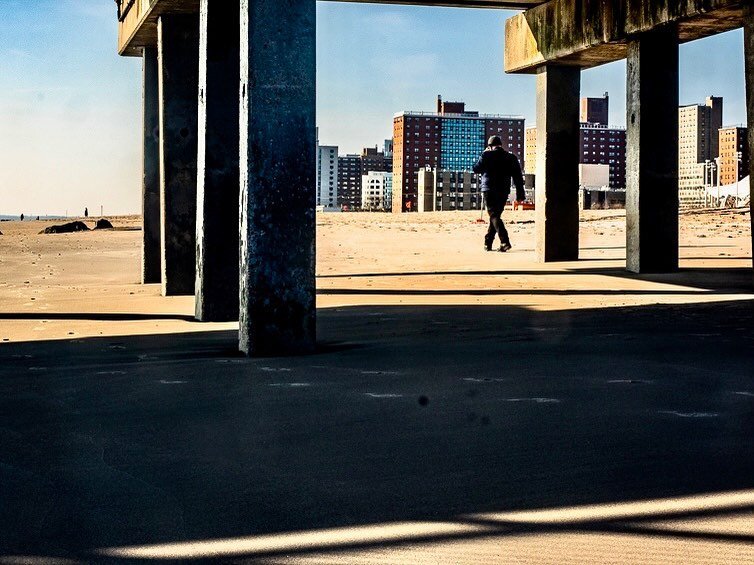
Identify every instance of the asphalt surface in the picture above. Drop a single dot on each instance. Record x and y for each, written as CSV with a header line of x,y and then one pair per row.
x,y
405,414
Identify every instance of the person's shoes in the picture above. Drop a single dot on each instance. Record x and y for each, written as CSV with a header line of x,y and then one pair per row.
x,y
505,247
488,246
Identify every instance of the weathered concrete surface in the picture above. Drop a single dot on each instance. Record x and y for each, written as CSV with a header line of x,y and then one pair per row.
x,y
139,26
217,238
278,167
179,78
588,33
557,188
116,443
151,270
749,72
652,152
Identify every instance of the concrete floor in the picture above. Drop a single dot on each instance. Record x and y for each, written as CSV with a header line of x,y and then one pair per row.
x,y
412,435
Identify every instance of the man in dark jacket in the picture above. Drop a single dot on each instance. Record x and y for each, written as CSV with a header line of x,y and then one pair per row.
x,y
497,168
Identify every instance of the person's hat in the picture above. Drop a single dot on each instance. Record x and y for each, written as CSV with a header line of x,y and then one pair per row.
x,y
494,141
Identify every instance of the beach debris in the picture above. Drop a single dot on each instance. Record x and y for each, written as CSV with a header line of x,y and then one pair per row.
x,y
70,227
103,224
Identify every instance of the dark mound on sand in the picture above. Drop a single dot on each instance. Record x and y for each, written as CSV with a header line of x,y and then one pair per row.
x,y
103,224
66,228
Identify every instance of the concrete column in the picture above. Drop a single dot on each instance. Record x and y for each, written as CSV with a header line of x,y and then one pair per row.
x,y
557,194
178,46
150,210
748,13
217,239
652,152
278,184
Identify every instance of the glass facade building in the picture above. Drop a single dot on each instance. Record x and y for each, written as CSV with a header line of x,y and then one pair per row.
x,y
462,141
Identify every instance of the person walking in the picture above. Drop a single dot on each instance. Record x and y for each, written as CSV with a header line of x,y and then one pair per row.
x,y
497,168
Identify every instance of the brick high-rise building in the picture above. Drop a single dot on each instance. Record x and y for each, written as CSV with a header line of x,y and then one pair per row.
x,y
595,110
602,145
530,151
450,139
598,145
734,154
349,182
698,141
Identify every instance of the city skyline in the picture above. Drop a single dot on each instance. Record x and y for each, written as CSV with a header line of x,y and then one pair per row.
x,y
68,102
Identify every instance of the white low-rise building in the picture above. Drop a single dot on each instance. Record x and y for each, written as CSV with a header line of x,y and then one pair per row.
x,y
376,191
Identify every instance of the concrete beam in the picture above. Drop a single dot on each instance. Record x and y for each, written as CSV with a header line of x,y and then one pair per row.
x,y
278,183
150,211
652,152
217,239
138,27
749,72
587,33
179,70
557,205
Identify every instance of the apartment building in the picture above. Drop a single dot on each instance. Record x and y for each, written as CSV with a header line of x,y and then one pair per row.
x,y
698,143
451,138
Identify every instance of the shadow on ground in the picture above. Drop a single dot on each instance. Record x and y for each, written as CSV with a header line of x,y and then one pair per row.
x,y
723,280
424,413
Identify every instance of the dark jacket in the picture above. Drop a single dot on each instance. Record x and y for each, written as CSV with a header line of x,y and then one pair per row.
x,y
497,168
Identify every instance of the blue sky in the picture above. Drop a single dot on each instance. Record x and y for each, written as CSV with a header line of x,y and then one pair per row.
x,y
70,107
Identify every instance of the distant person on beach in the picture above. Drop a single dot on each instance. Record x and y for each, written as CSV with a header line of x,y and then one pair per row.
x,y
22,217
497,167
86,212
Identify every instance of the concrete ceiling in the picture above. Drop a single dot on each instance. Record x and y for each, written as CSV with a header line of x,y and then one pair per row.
x,y
509,4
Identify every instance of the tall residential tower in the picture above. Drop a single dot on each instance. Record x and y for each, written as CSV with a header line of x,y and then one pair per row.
x,y
451,139
698,142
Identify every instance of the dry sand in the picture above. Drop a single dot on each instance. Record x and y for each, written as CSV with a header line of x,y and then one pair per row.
x,y
87,284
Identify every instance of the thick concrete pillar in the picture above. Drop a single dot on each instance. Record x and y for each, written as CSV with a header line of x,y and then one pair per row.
x,y
217,239
150,207
748,14
178,47
278,184
652,152
557,194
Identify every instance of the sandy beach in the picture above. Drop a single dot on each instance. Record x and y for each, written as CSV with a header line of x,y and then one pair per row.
x,y
463,407
86,284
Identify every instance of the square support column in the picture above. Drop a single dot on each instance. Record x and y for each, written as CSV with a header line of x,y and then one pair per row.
x,y
150,204
748,14
652,152
178,46
217,239
557,179
278,184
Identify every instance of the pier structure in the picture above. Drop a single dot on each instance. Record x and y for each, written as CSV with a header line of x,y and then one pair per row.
x,y
230,151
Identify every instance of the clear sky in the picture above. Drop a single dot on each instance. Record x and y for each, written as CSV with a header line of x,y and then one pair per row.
x,y
70,108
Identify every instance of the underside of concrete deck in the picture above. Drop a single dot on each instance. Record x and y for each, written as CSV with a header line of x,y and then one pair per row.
x,y
585,34
138,26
